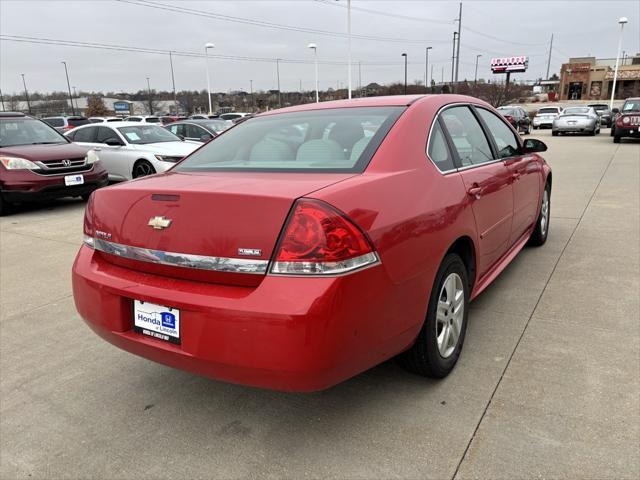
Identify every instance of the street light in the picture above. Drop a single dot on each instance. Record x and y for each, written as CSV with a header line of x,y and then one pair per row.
x,y
278,77
621,21
426,70
150,103
207,46
314,47
73,110
405,72
75,96
475,77
26,93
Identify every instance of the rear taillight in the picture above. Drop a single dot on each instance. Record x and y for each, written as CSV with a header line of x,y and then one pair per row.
x,y
88,223
66,128
320,240
509,118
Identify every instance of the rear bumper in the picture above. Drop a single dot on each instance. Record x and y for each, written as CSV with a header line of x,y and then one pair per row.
x,y
542,122
25,186
288,333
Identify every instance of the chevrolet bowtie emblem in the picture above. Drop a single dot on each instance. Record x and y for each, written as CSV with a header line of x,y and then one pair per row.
x,y
158,223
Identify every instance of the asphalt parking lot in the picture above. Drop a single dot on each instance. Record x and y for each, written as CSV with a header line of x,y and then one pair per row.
x,y
548,384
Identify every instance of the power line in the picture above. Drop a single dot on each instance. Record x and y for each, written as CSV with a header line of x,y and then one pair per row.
x,y
277,26
156,51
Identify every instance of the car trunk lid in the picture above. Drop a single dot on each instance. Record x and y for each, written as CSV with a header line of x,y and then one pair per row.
x,y
202,226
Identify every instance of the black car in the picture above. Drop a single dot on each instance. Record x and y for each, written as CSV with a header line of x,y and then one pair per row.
x,y
517,117
603,111
198,130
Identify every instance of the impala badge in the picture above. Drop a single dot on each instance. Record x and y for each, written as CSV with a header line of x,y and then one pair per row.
x,y
158,223
251,252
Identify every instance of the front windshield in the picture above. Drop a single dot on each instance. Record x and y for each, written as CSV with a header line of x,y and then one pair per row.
x,y
219,126
326,140
141,135
576,111
631,106
27,131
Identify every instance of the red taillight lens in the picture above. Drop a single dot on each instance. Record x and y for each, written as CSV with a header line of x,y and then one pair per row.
x,y
88,223
509,118
319,239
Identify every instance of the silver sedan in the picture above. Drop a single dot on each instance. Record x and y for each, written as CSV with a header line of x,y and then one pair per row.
x,y
576,120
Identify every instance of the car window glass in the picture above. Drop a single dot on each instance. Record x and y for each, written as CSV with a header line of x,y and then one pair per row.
x,y
194,131
467,136
105,134
54,122
438,150
85,135
504,137
177,129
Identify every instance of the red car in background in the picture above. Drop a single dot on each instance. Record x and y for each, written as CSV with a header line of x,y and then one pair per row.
x,y
37,163
626,122
311,243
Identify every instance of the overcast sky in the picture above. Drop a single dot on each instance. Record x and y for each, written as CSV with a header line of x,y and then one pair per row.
x,y
581,28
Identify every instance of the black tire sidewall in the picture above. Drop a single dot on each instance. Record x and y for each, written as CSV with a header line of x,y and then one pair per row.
x,y
139,162
439,366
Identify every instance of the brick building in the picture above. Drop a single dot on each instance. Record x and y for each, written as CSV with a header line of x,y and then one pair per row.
x,y
588,78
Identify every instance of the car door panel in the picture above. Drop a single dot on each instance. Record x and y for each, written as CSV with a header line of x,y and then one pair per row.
x,y
114,157
488,184
526,175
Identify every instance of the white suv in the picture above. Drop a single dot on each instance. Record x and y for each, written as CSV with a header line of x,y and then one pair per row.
x,y
545,116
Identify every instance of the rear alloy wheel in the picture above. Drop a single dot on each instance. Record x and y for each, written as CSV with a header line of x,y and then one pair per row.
x,y
437,348
142,168
540,233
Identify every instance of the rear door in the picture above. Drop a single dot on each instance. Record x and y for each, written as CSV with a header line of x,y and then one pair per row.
x,y
487,180
525,172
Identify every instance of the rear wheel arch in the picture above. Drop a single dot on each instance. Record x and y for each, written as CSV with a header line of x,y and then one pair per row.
x,y
465,249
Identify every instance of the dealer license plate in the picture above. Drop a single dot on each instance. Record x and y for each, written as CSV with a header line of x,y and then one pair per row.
x,y
70,180
156,321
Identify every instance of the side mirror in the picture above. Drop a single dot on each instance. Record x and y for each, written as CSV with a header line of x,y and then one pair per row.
x,y
113,142
206,137
532,145
615,110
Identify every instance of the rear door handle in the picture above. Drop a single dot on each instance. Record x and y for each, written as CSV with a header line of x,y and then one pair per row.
x,y
475,191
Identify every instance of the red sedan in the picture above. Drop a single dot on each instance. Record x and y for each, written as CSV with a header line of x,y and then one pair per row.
x,y
314,242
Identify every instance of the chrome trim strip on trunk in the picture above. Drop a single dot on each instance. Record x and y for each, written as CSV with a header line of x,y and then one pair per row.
x,y
184,260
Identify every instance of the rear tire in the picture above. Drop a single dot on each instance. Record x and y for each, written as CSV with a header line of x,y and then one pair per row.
x,y
555,134
438,345
541,232
5,207
616,139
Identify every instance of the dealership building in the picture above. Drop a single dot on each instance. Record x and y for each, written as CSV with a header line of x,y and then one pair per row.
x,y
589,78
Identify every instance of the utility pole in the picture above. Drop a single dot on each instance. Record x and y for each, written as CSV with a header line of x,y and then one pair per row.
x,y
150,103
73,110
278,75
549,60
431,78
405,72
75,97
453,61
173,84
475,77
459,34
349,35
26,93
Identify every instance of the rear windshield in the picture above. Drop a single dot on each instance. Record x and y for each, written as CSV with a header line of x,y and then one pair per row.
x,y
548,110
54,122
76,122
153,120
576,111
27,131
329,140
600,107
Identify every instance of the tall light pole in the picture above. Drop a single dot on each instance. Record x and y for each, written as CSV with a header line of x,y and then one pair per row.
x,y
173,84
475,77
75,97
149,96
349,35
459,35
207,46
26,93
314,47
453,61
253,100
426,70
73,110
278,77
405,72
621,21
